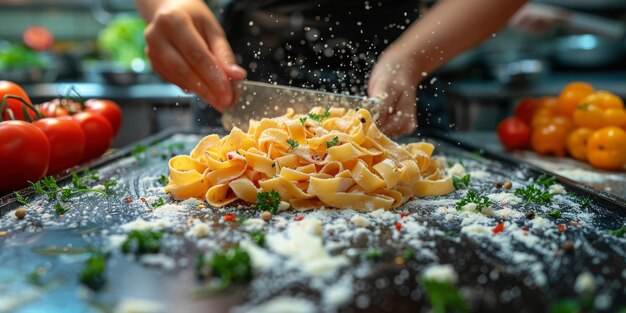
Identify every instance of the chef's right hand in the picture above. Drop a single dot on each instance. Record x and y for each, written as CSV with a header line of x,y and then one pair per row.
x,y
188,47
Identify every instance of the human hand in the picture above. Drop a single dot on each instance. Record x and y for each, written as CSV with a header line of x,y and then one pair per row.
x,y
187,46
394,81
537,17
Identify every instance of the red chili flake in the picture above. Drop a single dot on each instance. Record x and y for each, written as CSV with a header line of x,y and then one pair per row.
x,y
498,229
230,156
298,218
405,214
230,218
575,223
398,226
128,199
525,228
410,199
302,181
562,228
143,199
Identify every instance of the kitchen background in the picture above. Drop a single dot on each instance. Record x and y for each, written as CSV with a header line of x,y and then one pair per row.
x,y
478,88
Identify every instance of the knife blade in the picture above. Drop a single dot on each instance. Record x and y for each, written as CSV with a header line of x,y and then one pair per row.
x,y
255,100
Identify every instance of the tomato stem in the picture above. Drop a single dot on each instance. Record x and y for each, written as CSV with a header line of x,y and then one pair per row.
x,y
26,103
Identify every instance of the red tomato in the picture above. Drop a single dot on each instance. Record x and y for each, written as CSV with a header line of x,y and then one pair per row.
x,y
52,109
526,108
24,154
107,108
38,38
98,134
67,142
11,88
514,133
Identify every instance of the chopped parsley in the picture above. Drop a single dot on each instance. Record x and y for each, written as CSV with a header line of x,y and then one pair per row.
x,y
93,272
108,185
139,152
532,194
408,254
292,143
545,181
333,142
163,180
303,119
556,214
232,265
319,117
472,196
34,277
444,296
48,186
258,238
619,233
583,202
373,254
159,202
78,182
60,210
141,242
268,201
461,182
21,200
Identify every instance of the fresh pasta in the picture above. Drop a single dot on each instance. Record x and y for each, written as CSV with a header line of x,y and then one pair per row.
x,y
335,157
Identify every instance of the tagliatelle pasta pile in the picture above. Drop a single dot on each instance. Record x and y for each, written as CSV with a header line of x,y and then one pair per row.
x,y
335,157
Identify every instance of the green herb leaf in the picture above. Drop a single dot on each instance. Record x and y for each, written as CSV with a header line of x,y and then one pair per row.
x,y
319,117
93,272
619,233
373,254
142,242
461,182
139,152
232,265
472,196
108,185
584,202
258,238
333,142
408,254
444,296
303,119
159,202
532,194
77,182
545,181
292,143
556,214
34,277
163,180
268,201
59,210
21,200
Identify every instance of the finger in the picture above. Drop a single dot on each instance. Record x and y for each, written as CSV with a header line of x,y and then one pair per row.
x,y
171,66
224,53
402,120
188,42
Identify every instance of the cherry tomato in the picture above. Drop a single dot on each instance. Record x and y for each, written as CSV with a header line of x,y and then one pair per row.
x,y
52,109
67,142
24,154
571,96
549,140
549,103
526,108
577,143
514,133
10,88
38,38
589,115
541,118
98,134
604,100
605,148
107,108
615,117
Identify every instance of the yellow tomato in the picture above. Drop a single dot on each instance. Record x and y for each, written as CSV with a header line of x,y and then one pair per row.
x,y
589,115
571,96
549,103
549,140
606,148
604,100
577,143
615,117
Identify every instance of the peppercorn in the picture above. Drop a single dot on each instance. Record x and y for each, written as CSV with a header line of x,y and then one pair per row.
x,y
530,215
568,246
266,216
497,184
20,212
507,185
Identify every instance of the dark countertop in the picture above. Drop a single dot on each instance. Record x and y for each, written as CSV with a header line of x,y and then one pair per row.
x,y
158,91
609,182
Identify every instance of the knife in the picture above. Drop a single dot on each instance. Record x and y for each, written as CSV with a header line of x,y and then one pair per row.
x,y
255,100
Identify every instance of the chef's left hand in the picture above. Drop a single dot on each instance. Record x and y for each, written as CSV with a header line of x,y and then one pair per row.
x,y
393,79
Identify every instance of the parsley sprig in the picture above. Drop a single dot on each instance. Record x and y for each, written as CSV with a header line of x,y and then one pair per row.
x,y
619,233
556,214
93,272
302,120
163,180
461,182
158,202
229,266
319,117
292,143
268,201
545,181
444,296
142,242
532,194
333,142
473,196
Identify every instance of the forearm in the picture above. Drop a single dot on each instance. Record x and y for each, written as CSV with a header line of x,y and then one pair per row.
x,y
450,27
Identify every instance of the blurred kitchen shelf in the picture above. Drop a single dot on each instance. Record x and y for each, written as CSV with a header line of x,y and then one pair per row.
x,y
161,92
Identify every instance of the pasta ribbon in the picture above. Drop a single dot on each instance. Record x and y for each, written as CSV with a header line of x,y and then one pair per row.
x,y
335,157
